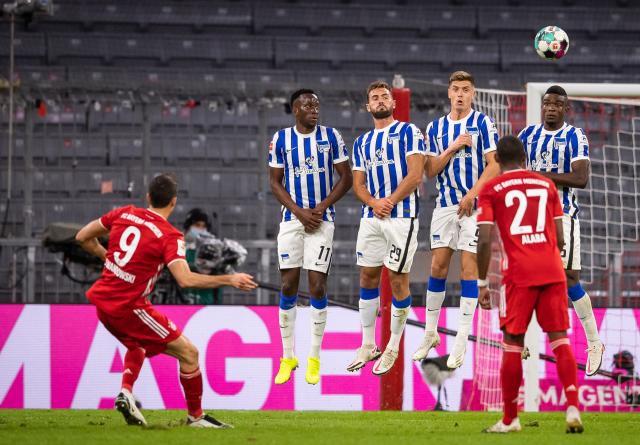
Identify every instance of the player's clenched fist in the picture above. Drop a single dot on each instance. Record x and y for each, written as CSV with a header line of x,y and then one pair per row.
x,y
243,281
309,219
484,298
381,207
463,140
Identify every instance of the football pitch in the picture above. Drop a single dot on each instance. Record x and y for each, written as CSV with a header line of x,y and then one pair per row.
x,y
326,428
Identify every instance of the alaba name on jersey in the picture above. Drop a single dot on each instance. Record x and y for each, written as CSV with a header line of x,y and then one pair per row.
x,y
463,170
554,152
382,155
307,160
524,206
141,242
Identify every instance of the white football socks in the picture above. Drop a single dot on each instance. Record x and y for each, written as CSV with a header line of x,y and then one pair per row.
x,y
584,310
318,323
368,314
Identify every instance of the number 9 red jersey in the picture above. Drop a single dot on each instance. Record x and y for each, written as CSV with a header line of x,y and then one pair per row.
x,y
141,242
524,206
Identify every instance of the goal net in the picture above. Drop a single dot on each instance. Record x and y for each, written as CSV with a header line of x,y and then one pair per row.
x,y
610,226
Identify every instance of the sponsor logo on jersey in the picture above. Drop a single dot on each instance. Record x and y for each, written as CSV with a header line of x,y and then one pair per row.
x,y
463,155
309,167
379,160
545,162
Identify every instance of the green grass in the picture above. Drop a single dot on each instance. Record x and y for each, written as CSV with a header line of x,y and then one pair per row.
x,y
85,427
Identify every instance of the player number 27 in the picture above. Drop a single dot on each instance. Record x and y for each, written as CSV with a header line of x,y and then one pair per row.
x,y
516,225
128,244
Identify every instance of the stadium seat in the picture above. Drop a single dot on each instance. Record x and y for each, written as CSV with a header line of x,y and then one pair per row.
x,y
30,49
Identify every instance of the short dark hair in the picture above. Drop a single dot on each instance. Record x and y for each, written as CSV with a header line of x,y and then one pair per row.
x,y
196,215
459,76
162,189
510,150
556,89
296,94
375,85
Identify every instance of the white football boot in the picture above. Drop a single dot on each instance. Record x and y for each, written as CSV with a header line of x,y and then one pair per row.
x,y
429,341
574,423
594,357
364,355
501,428
126,404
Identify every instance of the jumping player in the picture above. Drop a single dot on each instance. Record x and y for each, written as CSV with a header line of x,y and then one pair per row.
x,y
141,243
388,163
526,209
302,160
460,153
560,152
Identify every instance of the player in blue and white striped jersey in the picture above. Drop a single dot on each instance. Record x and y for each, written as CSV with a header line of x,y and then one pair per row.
x,y
560,152
302,160
461,154
387,163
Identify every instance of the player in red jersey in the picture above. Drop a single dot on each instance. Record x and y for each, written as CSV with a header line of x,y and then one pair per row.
x,y
526,209
141,243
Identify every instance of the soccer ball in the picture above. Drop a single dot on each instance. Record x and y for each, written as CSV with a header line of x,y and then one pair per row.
x,y
551,43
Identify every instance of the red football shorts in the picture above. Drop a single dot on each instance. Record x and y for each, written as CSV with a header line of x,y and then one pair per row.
x,y
141,327
549,301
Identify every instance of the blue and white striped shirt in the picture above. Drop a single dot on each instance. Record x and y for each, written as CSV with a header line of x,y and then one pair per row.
x,y
463,170
307,160
554,152
382,155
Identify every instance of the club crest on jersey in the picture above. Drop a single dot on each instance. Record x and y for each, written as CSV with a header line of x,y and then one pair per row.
x,y
284,256
473,131
559,143
323,146
393,137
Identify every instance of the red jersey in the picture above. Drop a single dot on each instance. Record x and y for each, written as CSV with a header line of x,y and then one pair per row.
x,y
141,242
524,206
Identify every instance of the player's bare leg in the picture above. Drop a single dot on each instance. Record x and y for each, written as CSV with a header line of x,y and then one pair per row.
x,y
468,304
287,319
400,308
436,287
582,305
318,290
368,307
191,381
567,371
125,402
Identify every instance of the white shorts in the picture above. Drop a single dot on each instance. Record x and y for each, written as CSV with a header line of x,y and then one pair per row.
x,y
311,251
571,251
448,230
389,241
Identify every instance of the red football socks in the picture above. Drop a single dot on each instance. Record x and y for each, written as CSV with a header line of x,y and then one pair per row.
x,y
192,385
133,360
511,377
567,371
